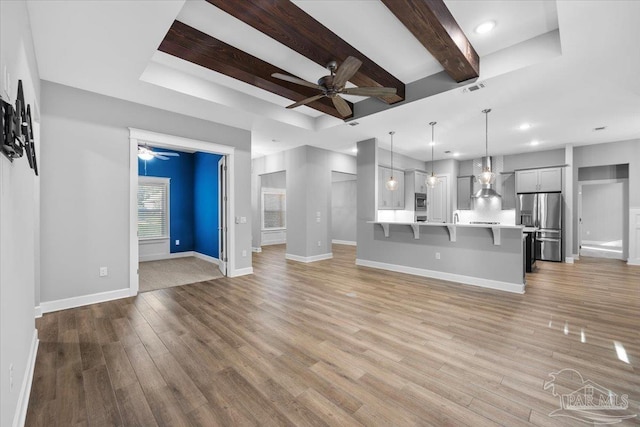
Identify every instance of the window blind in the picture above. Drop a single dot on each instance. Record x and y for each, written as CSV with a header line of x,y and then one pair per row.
x,y
152,210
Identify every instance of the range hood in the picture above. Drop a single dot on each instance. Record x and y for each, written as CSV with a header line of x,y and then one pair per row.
x,y
487,191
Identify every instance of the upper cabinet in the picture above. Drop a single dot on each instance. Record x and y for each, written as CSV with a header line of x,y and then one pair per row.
x,y
388,199
539,180
438,201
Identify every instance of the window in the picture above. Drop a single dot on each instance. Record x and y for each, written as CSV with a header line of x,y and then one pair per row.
x,y
274,208
153,208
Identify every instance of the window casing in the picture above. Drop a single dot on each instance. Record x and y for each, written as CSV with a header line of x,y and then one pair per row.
x,y
153,208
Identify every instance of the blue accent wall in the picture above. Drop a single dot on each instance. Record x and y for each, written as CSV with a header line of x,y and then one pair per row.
x,y
206,203
193,199
180,171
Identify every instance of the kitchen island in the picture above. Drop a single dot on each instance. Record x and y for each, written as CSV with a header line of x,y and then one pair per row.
x,y
486,255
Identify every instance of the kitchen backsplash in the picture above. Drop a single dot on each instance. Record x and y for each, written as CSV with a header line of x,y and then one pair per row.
x,y
504,217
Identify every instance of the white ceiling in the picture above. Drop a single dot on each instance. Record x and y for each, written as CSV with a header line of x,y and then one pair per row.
x,y
563,90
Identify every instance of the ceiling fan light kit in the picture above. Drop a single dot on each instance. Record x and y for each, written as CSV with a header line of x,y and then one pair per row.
x,y
432,180
145,153
333,85
392,183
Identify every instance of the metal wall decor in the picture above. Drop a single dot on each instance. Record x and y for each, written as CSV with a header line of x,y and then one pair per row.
x,y
17,130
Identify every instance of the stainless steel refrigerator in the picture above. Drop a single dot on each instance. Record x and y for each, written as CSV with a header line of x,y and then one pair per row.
x,y
544,212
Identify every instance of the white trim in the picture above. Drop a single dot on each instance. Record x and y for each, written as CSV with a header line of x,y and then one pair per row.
x,y
173,142
308,259
441,275
344,242
207,258
38,312
63,304
576,257
569,260
20,416
634,237
254,249
241,272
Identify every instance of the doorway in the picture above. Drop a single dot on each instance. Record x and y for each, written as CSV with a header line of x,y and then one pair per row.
x,y
602,218
221,170
344,192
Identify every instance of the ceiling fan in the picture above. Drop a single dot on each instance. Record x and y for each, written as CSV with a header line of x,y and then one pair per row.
x,y
333,85
145,153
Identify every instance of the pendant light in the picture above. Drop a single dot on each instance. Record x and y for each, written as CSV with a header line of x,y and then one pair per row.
x,y
432,180
486,177
392,183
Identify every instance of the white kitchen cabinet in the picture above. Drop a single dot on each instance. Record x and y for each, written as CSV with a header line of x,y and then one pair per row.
x,y
390,199
438,201
539,180
419,182
465,187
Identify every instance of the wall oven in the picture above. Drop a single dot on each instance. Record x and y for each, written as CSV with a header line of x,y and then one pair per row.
x,y
420,202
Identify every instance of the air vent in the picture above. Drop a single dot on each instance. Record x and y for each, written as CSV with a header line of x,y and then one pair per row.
x,y
474,87
353,123
600,128
447,152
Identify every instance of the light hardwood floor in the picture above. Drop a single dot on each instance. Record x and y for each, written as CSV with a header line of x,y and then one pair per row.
x,y
329,343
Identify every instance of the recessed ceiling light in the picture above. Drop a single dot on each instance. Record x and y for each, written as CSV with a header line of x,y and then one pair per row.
x,y
432,143
485,27
525,126
534,142
354,150
456,154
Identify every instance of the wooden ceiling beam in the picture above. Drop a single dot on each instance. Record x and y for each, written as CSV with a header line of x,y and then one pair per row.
x,y
432,24
286,23
199,48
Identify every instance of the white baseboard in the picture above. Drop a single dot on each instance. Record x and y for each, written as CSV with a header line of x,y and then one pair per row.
x,y
633,261
207,258
240,272
254,249
307,259
569,259
38,312
160,257
20,415
517,288
344,242
576,257
63,304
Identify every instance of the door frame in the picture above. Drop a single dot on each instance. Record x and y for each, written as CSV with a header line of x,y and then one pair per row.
x,y
625,210
139,136
223,220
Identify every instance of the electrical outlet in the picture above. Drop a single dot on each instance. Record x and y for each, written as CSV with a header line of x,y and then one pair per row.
x,y
318,219
243,220
437,255
104,272
177,242
319,243
11,377
244,253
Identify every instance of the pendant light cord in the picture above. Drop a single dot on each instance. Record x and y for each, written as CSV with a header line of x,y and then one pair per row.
x,y
391,133
433,124
486,131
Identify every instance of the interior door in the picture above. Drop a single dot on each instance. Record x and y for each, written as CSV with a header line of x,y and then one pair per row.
x,y
438,201
222,214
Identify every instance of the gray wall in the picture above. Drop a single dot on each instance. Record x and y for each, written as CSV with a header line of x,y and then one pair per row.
x,y
274,180
19,208
603,212
537,159
400,161
343,206
85,191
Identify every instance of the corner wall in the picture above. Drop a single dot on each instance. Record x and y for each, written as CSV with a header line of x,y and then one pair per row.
x,y
19,227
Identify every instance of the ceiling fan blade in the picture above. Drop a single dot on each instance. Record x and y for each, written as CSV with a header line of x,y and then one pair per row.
x,y
341,105
305,101
346,70
158,156
166,153
370,91
296,80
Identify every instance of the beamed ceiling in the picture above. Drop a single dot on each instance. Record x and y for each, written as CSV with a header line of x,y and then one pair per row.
x,y
430,21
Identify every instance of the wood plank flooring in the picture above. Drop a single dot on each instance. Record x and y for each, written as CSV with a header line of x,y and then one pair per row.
x,y
330,343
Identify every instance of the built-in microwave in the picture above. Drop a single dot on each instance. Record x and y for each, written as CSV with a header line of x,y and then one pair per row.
x,y
421,202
